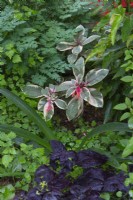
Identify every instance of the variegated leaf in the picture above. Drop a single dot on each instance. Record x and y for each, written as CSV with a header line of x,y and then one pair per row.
x,y
95,76
76,50
79,68
95,98
65,86
72,58
61,104
70,91
48,111
74,108
90,39
33,91
80,29
63,46
45,92
41,104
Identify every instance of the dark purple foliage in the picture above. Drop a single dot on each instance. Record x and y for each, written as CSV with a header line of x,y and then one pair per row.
x,y
115,183
87,159
55,183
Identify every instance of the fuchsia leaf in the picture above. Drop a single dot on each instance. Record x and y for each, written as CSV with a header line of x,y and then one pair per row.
x,y
90,39
79,68
70,91
95,76
80,29
74,108
48,110
41,104
77,49
33,91
72,58
65,86
92,96
63,46
61,104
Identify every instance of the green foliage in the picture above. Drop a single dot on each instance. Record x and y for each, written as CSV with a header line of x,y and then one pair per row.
x,y
128,105
16,162
7,192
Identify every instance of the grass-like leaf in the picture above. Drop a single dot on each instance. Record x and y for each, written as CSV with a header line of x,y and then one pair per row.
x,y
25,134
112,126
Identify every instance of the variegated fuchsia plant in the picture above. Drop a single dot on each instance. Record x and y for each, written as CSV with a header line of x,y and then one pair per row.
x,y
79,89
77,45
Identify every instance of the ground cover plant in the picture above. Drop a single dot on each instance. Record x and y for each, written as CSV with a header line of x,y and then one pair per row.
x,y
91,40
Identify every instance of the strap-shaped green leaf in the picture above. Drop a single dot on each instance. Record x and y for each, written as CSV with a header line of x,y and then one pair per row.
x,y
25,134
31,113
112,126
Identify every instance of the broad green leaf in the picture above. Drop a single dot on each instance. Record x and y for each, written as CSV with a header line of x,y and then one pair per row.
x,y
113,126
73,108
72,58
127,79
91,39
115,22
65,86
61,104
10,53
48,111
79,68
25,134
16,59
95,76
63,46
126,29
76,50
129,148
128,102
31,113
105,196
6,159
95,98
125,116
129,40
33,91
41,104
130,122
121,106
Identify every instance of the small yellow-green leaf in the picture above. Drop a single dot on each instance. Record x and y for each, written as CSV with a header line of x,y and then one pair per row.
x,y
16,59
